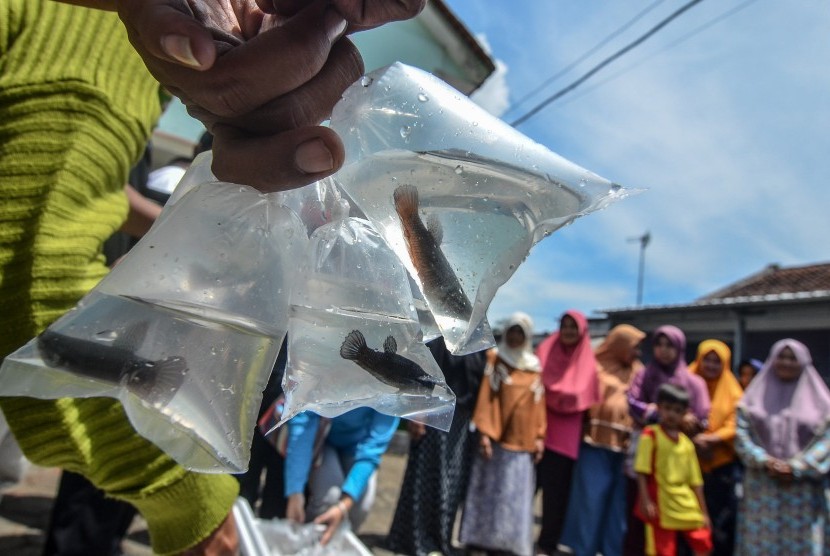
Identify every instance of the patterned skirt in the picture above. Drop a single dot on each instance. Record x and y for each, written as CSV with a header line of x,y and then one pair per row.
x,y
498,512
776,519
433,489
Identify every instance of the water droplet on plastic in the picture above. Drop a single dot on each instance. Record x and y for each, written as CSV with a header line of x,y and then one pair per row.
x,y
459,169
475,124
422,97
366,80
405,131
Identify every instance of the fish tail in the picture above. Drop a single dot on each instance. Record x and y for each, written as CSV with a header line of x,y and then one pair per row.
x,y
406,200
353,345
158,382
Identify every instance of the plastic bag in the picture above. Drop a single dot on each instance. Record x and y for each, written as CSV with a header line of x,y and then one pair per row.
x,y
459,195
281,537
354,339
184,331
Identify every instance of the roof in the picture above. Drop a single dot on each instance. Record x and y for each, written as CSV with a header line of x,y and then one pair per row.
x,y
775,280
773,284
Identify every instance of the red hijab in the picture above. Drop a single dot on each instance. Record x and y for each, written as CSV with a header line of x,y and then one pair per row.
x,y
569,373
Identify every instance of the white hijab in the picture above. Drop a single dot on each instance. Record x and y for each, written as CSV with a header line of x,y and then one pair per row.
x,y
521,357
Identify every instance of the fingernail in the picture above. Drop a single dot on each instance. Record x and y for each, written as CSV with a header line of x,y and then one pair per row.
x,y
335,24
313,157
178,48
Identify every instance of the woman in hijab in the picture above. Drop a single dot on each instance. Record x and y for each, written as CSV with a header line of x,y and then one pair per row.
x,y
569,375
510,418
667,366
784,442
437,469
715,446
596,518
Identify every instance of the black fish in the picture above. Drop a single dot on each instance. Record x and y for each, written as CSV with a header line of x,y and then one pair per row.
x,y
152,381
441,286
387,366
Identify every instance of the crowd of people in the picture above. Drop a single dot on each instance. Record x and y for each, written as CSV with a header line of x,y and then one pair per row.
x,y
664,458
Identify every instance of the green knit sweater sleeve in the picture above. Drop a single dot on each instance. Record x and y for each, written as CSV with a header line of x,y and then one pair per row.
x,y
76,108
93,437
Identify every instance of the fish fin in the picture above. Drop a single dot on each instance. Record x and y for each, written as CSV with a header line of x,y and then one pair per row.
x,y
390,345
436,230
132,337
352,345
406,200
158,382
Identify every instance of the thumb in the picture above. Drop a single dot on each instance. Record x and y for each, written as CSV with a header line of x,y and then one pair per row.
x,y
168,30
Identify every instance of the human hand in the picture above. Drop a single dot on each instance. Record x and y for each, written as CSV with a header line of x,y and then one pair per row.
x,y
295,508
690,425
361,14
485,446
780,470
416,430
261,83
332,518
538,450
705,444
222,542
648,509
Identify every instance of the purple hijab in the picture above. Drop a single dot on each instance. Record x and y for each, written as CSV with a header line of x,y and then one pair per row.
x,y
787,415
643,390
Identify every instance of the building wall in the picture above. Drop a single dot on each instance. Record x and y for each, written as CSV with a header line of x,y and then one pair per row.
x,y
749,330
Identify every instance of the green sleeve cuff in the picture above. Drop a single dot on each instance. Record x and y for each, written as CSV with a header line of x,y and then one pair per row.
x,y
186,512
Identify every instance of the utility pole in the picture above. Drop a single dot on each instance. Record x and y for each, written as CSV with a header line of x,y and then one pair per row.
x,y
644,241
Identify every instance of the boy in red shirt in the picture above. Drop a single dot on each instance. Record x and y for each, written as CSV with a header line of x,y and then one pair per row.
x,y
670,482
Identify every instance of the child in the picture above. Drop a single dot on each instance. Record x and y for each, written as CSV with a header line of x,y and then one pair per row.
x,y
669,480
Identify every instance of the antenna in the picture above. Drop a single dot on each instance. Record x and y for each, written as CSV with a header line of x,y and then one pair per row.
x,y
644,241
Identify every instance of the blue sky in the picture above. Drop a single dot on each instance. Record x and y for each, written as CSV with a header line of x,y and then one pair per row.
x,y
727,130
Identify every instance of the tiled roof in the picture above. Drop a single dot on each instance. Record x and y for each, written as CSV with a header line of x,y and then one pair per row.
x,y
775,281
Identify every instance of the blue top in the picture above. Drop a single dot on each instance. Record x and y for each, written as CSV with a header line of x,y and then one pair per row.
x,y
362,434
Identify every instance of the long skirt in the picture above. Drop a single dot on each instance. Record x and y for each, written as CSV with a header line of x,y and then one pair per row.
x,y
433,488
596,519
498,512
776,519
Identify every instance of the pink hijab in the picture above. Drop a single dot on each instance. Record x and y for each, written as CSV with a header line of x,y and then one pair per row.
x,y
569,373
786,416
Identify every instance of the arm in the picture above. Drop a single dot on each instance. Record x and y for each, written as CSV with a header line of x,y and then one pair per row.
x,y
143,212
368,453
93,437
748,449
640,410
643,467
647,505
814,461
541,427
701,500
367,458
299,451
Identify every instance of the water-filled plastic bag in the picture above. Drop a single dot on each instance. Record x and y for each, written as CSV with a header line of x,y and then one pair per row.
x,y
184,331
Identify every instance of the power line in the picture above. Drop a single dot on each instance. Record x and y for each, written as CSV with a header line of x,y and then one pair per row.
x,y
668,46
536,109
582,58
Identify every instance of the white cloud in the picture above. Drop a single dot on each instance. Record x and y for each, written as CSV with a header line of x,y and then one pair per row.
x,y
494,93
